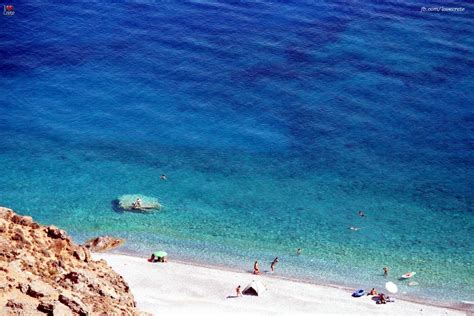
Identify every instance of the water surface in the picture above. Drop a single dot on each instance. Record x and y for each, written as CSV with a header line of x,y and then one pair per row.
x,y
274,122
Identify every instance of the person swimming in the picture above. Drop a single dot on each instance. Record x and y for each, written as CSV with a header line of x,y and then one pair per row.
x,y
361,214
163,177
385,271
354,228
298,251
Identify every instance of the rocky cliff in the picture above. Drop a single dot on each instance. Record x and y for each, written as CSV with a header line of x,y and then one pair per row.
x,y
43,272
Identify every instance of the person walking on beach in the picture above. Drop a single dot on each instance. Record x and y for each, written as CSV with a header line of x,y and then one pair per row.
x,y
256,269
274,263
385,271
237,292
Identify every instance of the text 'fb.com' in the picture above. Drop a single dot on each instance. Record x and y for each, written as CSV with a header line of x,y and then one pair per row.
x,y
442,9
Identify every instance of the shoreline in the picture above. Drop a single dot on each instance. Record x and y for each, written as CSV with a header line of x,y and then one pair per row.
x,y
343,292
413,299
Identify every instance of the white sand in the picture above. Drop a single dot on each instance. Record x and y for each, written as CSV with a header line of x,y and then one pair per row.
x,y
181,289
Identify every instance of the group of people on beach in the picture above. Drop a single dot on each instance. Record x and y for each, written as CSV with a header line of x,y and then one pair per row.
x,y
256,270
381,298
154,258
256,267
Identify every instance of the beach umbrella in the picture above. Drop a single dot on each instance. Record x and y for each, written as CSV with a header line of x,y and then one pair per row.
x,y
160,254
391,287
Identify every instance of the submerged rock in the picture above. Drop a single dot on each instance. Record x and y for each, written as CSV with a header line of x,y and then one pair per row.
x,y
43,272
148,204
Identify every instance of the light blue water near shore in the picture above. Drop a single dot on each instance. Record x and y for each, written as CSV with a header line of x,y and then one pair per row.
x,y
274,122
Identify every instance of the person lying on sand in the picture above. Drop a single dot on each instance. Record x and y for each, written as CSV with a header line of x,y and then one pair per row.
x,y
373,292
153,258
273,265
256,269
382,299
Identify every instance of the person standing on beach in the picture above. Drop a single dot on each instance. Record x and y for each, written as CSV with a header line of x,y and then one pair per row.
x,y
274,263
256,269
237,292
385,271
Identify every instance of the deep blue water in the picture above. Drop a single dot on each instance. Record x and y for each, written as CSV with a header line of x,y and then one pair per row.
x,y
274,122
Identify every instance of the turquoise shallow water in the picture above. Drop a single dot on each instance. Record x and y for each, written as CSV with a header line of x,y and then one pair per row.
x,y
275,124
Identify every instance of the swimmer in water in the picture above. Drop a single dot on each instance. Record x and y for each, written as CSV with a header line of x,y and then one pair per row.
x,y
354,228
163,177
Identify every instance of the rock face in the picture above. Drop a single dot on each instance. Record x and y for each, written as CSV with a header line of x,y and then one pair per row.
x,y
103,243
43,272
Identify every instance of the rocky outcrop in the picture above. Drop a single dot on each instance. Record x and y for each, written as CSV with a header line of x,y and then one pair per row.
x,y
103,243
43,272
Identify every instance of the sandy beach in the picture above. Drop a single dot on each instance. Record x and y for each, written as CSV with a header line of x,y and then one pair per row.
x,y
177,288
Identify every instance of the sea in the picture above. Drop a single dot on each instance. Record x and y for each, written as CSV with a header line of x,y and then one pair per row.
x,y
275,123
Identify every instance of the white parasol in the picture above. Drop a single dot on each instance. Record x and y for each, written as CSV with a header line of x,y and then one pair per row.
x,y
391,287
